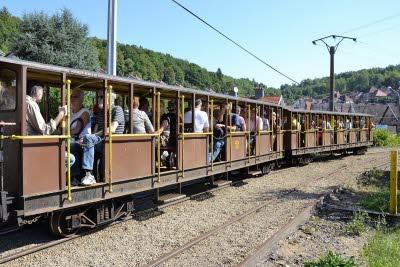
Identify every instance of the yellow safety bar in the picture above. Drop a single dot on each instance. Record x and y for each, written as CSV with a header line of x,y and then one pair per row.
x,y
110,135
212,133
158,138
258,131
249,136
196,134
183,134
135,135
69,139
230,134
35,137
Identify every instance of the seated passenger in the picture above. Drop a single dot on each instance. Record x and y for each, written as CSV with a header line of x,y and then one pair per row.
x,y
93,143
35,122
140,120
220,130
168,131
242,123
200,118
144,105
7,96
80,126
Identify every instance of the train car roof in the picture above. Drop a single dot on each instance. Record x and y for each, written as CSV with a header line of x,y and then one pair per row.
x,y
103,76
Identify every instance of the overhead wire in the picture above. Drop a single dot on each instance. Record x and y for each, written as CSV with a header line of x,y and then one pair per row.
x,y
234,42
369,24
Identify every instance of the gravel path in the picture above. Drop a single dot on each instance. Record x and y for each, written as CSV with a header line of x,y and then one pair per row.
x,y
137,242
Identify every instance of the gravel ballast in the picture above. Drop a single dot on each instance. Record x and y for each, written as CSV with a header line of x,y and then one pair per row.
x,y
137,242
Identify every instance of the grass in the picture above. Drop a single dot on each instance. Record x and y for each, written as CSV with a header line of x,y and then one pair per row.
x,y
383,249
357,225
385,138
331,259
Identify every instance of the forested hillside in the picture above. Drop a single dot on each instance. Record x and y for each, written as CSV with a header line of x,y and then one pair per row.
x,y
16,36
60,39
345,82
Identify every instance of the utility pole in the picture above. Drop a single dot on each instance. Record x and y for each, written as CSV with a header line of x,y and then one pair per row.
x,y
112,38
332,50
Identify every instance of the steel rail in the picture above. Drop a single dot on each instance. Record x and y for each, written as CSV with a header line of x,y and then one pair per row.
x,y
159,261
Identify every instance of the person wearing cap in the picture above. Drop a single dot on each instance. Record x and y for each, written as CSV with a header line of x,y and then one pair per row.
x,y
201,123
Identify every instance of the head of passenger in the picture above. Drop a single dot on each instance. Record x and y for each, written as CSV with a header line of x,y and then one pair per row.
x,y
144,104
36,93
197,104
77,100
238,110
135,102
171,106
113,98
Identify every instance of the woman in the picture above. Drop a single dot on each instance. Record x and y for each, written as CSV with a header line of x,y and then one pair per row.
x,y
140,120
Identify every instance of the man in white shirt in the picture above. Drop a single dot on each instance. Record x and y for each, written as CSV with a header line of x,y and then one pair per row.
x,y
200,118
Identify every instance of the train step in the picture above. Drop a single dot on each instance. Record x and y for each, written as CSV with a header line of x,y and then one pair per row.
x,y
221,183
255,173
168,198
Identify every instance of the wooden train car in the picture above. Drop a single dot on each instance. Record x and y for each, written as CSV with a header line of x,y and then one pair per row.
x,y
35,183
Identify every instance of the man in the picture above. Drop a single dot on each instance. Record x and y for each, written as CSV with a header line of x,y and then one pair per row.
x,y
36,124
93,143
220,130
240,120
35,121
200,118
80,126
168,131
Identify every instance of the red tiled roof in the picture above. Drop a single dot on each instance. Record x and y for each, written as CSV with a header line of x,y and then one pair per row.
x,y
271,99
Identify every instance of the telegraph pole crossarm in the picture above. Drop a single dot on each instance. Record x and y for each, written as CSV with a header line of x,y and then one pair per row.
x,y
332,50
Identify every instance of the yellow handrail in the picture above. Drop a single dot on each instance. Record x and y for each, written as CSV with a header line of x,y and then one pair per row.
x,y
249,133
183,134
212,134
158,138
69,139
136,135
196,134
230,135
35,137
110,135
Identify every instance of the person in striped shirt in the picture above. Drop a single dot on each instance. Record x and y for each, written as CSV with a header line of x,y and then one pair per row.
x,y
94,143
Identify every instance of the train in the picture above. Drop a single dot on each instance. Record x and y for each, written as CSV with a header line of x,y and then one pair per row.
x,y
36,182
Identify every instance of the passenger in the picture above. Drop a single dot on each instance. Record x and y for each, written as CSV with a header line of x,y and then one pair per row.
x,y
80,126
242,124
295,124
256,124
220,130
168,131
7,96
201,123
168,125
145,106
140,120
266,126
36,124
93,143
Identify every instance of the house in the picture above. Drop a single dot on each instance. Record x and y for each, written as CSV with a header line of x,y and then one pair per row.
x,y
278,100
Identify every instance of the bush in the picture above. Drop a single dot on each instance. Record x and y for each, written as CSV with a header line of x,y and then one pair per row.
x,y
357,225
385,138
331,260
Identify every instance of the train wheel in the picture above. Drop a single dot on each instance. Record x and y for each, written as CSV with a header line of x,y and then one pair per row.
x,y
266,168
61,224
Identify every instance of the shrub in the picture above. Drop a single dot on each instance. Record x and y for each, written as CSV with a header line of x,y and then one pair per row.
x,y
385,138
331,259
357,225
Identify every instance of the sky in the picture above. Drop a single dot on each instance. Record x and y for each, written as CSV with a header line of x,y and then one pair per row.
x,y
278,32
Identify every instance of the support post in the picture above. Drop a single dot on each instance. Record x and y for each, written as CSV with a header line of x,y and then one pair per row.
x,y
393,182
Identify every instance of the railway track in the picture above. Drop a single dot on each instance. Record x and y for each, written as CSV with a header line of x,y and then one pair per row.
x,y
270,201
171,254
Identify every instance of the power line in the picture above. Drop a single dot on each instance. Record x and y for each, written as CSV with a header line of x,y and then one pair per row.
x,y
234,42
372,23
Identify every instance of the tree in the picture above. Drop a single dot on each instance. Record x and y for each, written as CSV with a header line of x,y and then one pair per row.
x,y
219,74
59,39
9,29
